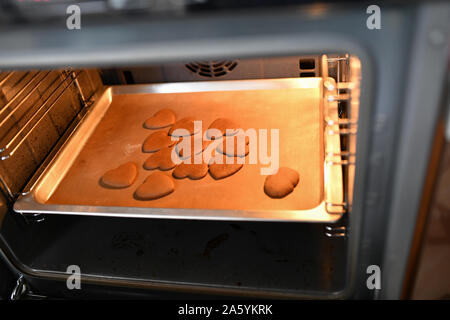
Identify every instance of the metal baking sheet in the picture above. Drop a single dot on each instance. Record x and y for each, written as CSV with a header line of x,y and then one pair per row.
x,y
112,133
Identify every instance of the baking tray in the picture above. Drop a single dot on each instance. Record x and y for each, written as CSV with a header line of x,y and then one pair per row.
x,y
112,133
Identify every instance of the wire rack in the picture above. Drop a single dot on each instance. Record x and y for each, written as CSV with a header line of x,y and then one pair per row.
x,y
342,91
66,80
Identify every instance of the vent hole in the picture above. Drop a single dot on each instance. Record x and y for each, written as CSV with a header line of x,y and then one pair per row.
x,y
307,74
306,64
128,75
212,69
232,66
192,68
218,64
205,74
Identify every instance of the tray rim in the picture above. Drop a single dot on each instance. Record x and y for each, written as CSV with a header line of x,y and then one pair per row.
x,y
27,203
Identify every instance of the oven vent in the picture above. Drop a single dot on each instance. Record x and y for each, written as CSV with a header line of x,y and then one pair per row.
x,y
308,67
212,69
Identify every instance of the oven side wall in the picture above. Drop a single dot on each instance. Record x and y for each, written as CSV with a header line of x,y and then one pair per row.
x,y
425,89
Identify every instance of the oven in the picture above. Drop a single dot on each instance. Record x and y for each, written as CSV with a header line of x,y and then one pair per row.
x,y
312,87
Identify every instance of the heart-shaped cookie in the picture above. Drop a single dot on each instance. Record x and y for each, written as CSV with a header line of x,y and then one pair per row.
x,y
157,185
195,145
156,141
234,146
192,171
161,119
220,171
161,160
186,126
282,183
121,177
225,125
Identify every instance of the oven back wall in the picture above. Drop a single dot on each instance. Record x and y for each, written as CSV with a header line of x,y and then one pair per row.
x,y
231,69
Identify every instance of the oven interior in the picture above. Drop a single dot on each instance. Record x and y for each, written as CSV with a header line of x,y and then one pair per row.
x,y
228,240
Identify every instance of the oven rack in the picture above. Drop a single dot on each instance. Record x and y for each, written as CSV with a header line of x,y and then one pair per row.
x,y
342,92
65,80
339,231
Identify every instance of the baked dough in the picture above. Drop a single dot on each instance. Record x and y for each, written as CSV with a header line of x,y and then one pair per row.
x,y
201,145
121,177
210,154
187,124
237,150
220,171
161,119
157,185
225,125
218,166
191,171
156,141
161,160
281,183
